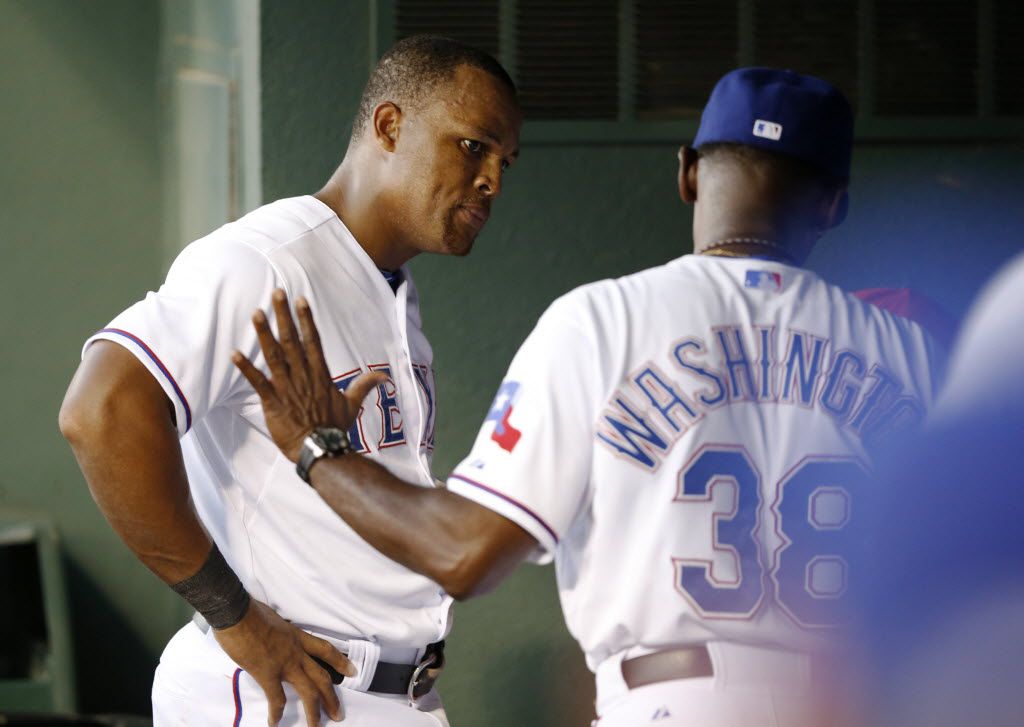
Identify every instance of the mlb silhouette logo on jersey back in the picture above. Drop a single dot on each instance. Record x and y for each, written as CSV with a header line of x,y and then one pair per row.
x,y
763,279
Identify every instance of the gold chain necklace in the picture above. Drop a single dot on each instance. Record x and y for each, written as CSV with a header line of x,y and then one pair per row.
x,y
717,248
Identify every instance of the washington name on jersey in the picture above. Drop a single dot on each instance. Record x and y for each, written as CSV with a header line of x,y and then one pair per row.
x,y
653,408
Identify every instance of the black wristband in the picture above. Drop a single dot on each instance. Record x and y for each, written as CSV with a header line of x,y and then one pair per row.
x,y
215,592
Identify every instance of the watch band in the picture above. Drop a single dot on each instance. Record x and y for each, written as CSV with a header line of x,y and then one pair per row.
x,y
308,456
319,443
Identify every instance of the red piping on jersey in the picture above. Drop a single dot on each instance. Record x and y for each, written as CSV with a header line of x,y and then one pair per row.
x,y
511,501
238,698
160,365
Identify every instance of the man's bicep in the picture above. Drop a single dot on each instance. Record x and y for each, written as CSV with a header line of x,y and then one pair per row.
x,y
502,533
508,504
185,332
111,383
500,544
119,423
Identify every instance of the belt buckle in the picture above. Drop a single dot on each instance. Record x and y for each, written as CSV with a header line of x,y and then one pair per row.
x,y
423,677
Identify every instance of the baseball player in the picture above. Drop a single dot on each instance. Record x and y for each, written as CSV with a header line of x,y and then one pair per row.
x,y
687,444
157,412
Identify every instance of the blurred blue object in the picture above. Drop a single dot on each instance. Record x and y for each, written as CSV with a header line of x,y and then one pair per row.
x,y
940,617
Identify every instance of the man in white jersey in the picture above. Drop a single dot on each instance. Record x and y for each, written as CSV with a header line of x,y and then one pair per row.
x,y
437,126
687,444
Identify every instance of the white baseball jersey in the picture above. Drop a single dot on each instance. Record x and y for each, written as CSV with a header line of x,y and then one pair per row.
x,y
687,443
288,547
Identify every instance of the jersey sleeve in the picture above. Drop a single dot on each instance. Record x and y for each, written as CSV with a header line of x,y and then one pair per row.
x,y
531,459
185,332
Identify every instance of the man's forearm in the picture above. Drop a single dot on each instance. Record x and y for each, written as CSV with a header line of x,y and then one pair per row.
x,y
119,424
116,419
464,547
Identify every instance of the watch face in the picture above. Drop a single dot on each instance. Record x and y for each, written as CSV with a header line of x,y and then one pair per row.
x,y
335,441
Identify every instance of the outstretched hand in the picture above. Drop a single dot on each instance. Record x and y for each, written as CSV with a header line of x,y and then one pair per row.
x,y
300,394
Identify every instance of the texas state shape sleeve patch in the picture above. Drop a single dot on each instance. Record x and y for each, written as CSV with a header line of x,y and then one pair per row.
x,y
504,433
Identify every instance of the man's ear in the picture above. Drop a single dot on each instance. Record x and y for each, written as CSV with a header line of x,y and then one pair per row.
x,y
387,118
835,208
688,163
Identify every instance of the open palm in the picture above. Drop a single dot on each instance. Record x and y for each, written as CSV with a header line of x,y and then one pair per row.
x,y
299,395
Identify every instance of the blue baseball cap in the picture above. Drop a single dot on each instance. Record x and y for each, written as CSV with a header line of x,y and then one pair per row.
x,y
781,111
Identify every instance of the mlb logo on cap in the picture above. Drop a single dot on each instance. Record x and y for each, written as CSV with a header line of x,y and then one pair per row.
x,y
752,106
767,130
763,280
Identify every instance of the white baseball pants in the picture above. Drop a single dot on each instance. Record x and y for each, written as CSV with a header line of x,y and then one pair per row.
x,y
752,687
197,684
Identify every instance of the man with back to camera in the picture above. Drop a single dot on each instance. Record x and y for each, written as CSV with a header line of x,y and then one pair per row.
x,y
437,126
686,443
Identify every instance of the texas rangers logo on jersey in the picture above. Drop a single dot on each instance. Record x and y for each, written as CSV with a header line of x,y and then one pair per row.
x,y
388,427
504,433
763,280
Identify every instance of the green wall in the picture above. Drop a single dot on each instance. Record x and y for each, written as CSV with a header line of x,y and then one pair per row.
x,y
939,218
80,202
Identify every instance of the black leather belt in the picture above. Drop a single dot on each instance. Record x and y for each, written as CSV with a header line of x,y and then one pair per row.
x,y
687,662
413,680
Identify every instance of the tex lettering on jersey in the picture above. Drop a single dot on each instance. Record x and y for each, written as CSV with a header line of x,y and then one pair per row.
x,y
392,426
425,380
388,428
504,433
654,408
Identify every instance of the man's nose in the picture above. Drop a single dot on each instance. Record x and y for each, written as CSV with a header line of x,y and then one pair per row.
x,y
488,181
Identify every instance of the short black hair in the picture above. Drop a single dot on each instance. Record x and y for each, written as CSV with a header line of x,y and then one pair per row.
x,y
786,168
414,66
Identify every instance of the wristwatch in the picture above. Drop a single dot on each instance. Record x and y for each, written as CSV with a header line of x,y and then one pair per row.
x,y
319,443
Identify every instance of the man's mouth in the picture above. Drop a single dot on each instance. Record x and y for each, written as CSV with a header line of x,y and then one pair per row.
x,y
475,215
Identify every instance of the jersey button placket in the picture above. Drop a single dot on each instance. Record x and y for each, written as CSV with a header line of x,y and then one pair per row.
x,y
409,383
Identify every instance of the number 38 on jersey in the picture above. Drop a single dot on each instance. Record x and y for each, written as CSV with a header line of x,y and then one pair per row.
x,y
806,573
